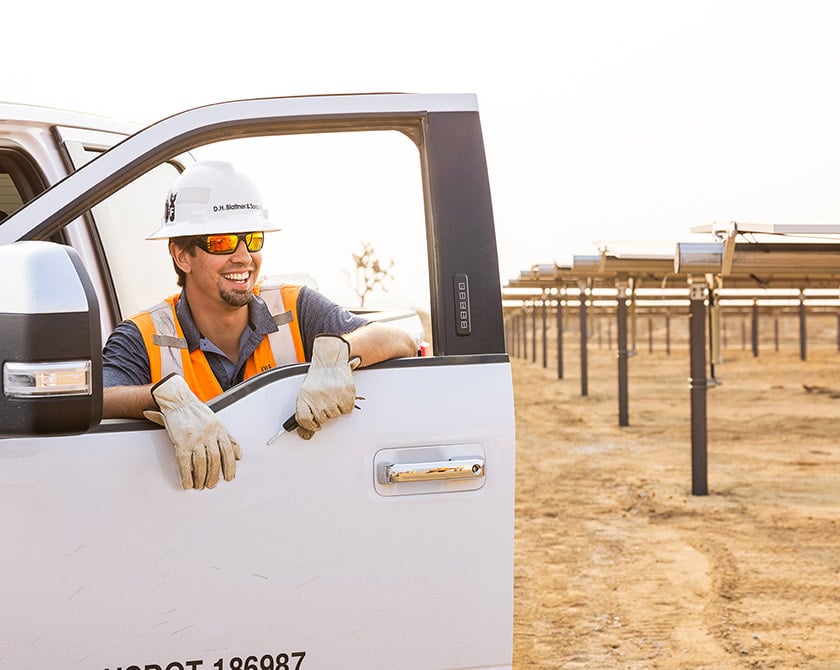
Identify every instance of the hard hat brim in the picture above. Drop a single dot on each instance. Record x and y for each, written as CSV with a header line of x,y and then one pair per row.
x,y
215,228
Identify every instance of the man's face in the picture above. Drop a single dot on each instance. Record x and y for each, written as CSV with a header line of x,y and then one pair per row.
x,y
229,278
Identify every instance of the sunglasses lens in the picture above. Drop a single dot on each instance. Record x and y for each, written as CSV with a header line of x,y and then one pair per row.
x,y
254,241
222,244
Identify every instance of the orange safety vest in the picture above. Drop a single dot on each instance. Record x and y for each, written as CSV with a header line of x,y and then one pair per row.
x,y
168,351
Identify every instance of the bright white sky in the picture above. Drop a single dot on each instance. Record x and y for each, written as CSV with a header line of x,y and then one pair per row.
x,y
603,120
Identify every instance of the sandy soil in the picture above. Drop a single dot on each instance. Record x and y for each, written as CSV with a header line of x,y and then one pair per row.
x,y
619,566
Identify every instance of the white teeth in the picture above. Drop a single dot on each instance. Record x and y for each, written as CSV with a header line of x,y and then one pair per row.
x,y
237,276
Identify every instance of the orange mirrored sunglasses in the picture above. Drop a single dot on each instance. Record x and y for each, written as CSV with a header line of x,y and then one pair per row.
x,y
227,243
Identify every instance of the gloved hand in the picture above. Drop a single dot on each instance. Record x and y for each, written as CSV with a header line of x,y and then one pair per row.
x,y
202,443
328,389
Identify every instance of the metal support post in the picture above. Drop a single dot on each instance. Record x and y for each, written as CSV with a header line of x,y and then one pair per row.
x,y
803,328
559,337
754,332
534,331
544,332
650,334
514,332
621,314
715,351
699,385
584,382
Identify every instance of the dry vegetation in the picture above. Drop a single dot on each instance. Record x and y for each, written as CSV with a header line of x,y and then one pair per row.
x,y
619,566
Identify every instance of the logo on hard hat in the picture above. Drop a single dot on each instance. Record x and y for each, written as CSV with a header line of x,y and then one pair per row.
x,y
169,207
235,206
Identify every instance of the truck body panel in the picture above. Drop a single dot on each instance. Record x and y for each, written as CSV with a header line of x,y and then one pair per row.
x,y
385,541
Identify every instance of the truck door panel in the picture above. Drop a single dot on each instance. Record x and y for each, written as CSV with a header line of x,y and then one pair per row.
x,y
310,558
299,553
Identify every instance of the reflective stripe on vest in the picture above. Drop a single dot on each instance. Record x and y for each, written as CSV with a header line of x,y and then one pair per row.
x,y
169,339
286,343
168,351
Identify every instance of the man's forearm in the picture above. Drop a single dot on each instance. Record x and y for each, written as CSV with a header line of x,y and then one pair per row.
x,y
378,342
126,402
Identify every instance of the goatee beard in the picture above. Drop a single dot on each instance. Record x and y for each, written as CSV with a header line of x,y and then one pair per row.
x,y
237,298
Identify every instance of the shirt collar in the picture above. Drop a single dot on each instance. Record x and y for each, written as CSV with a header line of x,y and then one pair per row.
x,y
259,319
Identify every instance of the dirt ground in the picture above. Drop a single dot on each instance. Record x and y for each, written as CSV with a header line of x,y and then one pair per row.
x,y
618,565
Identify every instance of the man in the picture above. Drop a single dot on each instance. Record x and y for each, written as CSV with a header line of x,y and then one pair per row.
x,y
166,362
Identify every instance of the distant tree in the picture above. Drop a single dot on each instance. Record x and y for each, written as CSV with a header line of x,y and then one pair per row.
x,y
370,272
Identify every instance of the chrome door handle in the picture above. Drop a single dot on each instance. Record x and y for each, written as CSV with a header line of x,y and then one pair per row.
x,y
461,468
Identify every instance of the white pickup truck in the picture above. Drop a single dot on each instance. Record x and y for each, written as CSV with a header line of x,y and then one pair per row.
x,y
384,542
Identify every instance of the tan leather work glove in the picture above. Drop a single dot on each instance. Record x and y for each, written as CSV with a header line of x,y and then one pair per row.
x,y
328,389
202,444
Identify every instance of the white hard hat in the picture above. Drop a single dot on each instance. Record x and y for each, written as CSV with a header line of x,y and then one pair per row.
x,y
212,197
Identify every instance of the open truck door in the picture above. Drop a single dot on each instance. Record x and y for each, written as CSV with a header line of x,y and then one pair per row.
x,y
386,541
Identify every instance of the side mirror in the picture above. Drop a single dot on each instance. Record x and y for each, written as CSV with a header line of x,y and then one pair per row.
x,y
50,342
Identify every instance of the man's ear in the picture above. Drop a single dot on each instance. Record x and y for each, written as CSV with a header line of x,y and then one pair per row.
x,y
181,257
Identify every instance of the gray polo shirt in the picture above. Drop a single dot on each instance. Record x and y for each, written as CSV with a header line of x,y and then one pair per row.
x,y
125,361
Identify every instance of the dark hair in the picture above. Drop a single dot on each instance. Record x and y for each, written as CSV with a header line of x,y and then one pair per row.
x,y
187,243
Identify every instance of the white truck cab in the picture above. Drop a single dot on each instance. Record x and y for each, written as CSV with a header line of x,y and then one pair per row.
x,y
386,541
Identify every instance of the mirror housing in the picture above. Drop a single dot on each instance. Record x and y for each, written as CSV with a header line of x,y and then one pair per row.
x,y
50,342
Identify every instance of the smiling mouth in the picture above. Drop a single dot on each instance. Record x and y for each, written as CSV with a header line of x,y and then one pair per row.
x,y
237,277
